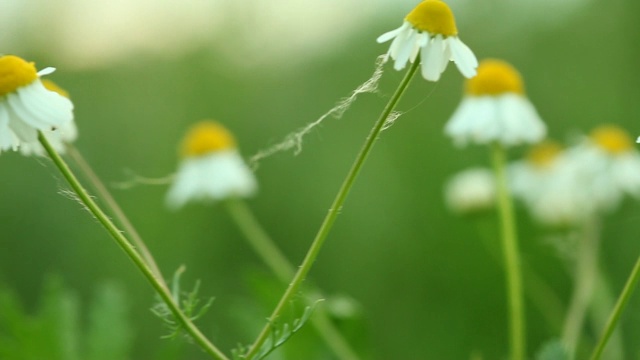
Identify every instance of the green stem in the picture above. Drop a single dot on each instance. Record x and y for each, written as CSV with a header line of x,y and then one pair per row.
x,y
539,293
130,251
585,275
623,299
511,257
278,263
259,240
111,203
327,224
601,304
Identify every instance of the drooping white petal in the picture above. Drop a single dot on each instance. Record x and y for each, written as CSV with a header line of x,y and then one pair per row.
x,y
509,119
399,42
474,121
211,177
405,51
433,56
40,108
519,120
8,140
463,57
23,131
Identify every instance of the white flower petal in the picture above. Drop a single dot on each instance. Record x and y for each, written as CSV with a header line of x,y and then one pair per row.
x,y
509,119
211,177
46,71
8,140
474,121
404,52
433,56
392,34
463,57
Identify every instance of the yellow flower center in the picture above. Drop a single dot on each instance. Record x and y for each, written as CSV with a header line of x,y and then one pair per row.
x,y
543,154
612,139
207,137
495,77
14,73
434,17
51,86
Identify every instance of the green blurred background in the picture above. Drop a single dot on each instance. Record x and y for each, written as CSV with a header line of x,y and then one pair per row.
x,y
426,285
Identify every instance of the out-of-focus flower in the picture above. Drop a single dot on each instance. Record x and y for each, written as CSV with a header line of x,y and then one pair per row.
x,y
26,106
495,109
471,190
211,168
570,186
430,30
550,185
609,160
65,134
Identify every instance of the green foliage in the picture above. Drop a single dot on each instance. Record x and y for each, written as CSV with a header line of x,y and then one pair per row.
x,y
109,334
553,350
188,301
55,331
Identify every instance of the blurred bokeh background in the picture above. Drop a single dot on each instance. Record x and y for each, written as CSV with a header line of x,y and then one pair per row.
x,y
423,280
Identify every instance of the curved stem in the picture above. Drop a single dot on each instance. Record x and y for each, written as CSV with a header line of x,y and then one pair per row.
x,y
111,203
623,299
327,224
278,263
511,257
585,276
124,244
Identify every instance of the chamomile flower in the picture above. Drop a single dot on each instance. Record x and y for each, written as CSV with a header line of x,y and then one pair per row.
x,y
430,30
609,160
471,190
65,134
26,106
211,168
551,186
495,109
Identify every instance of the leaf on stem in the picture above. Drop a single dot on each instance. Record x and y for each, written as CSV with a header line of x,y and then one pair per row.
x,y
278,335
188,301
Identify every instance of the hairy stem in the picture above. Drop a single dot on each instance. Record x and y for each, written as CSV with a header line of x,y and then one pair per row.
x,y
111,203
124,244
329,220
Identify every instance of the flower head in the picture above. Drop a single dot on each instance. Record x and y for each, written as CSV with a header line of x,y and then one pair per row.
x,y
471,190
547,182
65,134
430,30
495,109
26,106
607,157
211,169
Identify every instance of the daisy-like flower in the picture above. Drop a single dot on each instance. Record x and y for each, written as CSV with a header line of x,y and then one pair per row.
x,y
608,159
495,109
430,30
65,134
26,106
471,190
551,186
211,169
